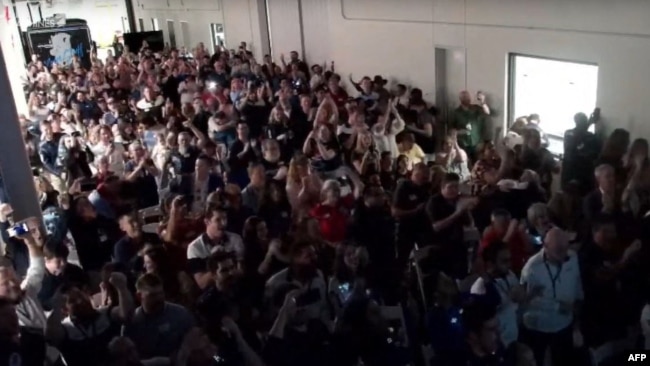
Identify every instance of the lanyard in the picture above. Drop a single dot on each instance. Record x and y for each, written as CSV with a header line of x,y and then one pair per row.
x,y
554,279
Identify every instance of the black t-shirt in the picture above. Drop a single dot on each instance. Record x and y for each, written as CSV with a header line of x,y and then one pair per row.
x,y
185,163
408,196
271,168
439,208
72,275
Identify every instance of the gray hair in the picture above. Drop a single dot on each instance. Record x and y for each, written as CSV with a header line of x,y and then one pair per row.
x,y
535,211
329,185
602,169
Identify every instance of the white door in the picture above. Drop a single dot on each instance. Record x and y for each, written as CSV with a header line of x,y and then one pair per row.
x,y
284,27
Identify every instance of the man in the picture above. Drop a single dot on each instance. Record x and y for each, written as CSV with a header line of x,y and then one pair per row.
x,y
196,187
448,215
581,149
471,122
241,153
142,172
295,60
10,345
107,198
215,238
553,283
483,348
158,327
58,273
499,287
254,191
255,109
184,158
604,199
303,275
23,294
607,272
113,114
48,150
82,334
127,250
408,204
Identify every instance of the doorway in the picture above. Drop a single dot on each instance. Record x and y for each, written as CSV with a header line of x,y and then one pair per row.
x,y
451,79
141,24
154,24
217,35
555,90
185,29
172,33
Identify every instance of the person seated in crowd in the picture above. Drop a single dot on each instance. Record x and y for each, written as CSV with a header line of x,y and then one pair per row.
x,y
604,263
508,230
59,273
349,277
255,190
195,187
214,238
276,243
453,158
128,250
83,333
157,326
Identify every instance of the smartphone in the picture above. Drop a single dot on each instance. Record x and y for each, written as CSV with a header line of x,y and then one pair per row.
x,y
88,185
537,239
18,230
345,292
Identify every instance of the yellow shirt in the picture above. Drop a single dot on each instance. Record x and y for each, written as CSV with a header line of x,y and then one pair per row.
x,y
415,155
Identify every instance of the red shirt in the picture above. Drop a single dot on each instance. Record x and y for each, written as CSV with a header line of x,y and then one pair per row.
x,y
516,244
333,220
340,97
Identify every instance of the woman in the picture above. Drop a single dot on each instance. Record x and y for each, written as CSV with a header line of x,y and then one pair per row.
x,y
385,131
74,159
106,147
488,159
262,257
402,170
636,196
349,277
453,158
613,153
178,286
323,149
364,151
46,194
303,188
278,129
275,209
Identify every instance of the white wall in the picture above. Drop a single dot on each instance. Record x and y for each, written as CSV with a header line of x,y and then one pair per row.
x,y
246,21
397,38
199,14
104,17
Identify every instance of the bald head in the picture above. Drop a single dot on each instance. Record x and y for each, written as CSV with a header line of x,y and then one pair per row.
x,y
465,98
556,244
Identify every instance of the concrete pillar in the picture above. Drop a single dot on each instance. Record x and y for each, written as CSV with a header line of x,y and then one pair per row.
x,y
14,56
14,164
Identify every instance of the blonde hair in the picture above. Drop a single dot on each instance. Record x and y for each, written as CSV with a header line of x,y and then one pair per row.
x,y
296,161
329,185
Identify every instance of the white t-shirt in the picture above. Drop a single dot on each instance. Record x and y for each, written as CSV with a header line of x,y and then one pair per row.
x,y
115,158
559,284
507,311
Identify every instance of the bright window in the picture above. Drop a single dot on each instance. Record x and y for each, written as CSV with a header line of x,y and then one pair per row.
x,y
555,90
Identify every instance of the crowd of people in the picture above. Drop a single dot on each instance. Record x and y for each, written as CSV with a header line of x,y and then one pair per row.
x,y
222,210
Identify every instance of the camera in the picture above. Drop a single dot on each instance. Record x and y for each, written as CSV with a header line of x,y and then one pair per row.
x,y
18,230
